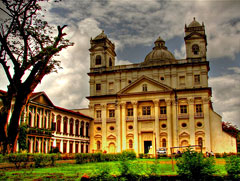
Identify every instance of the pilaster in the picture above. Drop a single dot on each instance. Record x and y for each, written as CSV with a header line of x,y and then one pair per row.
x,y
104,127
191,120
175,123
123,105
118,127
91,125
135,126
169,124
207,123
156,107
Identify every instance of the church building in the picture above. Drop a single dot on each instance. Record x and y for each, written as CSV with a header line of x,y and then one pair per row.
x,y
159,102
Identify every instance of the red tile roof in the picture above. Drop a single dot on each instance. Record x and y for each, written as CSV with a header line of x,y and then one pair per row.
x,y
2,91
35,94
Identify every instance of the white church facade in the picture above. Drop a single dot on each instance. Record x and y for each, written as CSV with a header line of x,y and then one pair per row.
x,y
160,102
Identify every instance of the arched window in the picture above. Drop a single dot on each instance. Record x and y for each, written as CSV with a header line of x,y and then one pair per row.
x,y
184,143
82,128
98,60
195,49
36,147
38,120
130,144
30,119
200,141
65,124
45,122
164,142
77,128
87,128
71,126
98,145
110,62
58,123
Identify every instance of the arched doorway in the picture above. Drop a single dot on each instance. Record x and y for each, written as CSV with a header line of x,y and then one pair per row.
x,y
112,148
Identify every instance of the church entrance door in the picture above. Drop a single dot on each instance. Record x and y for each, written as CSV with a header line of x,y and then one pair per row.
x,y
147,145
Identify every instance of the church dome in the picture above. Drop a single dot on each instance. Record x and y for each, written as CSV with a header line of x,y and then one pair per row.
x,y
194,23
159,53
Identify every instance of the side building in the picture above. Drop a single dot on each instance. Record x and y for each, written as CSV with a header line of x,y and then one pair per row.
x,y
50,126
160,102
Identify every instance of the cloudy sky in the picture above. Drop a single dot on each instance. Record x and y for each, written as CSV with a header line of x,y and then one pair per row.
x,y
133,26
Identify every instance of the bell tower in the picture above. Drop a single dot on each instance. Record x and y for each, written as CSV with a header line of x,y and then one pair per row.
x,y
102,52
195,41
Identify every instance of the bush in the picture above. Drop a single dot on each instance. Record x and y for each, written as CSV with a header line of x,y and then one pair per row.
x,y
140,155
102,173
224,155
18,159
128,155
1,158
100,157
42,160
218,155
233,167
193,166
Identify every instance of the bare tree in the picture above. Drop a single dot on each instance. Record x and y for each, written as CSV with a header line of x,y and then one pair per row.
x,y
28,47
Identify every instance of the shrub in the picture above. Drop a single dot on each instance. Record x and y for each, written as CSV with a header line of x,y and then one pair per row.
x,y
128,155
233,167
218,155
18,159
100,157
1,158
224,155
192,165
140,155
102,173
42,160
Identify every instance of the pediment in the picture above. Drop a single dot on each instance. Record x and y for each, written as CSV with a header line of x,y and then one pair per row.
x,y
129,135
199,133
194,35
152,86
98,136
163,134
184,134
41,98
111,137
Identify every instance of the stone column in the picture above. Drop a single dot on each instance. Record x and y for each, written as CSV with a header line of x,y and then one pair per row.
x,y
191,120
135,126
74,144
169,125
157,132
207,123
124,126
118,127
104,127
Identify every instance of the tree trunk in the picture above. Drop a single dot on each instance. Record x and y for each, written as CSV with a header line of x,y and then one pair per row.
x,y
13,130
4,117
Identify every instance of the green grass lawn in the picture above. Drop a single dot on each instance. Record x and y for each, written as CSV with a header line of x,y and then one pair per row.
x,y
75,171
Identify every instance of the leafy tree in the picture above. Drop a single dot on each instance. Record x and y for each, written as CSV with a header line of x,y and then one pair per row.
x,y
193,166
27,53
